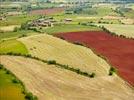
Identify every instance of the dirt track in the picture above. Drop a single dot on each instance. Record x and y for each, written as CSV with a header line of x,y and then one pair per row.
x,y
51,83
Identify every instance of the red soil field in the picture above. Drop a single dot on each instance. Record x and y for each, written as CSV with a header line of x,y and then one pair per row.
x,y
49,11
118,51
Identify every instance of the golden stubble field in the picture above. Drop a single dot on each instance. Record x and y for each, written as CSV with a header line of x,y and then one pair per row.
x,y
51,48
126,30
51,83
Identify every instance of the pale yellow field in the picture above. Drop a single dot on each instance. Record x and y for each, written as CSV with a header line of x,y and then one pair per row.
x,y
51,48
126,30
128,21
8,28
51,83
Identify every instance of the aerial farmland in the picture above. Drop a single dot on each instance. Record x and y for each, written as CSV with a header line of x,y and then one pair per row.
x,y
67,50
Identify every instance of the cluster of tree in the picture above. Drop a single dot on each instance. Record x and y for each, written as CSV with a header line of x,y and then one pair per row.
x,y
30,96
112,70
26,26
78,43
88,24
77,70
117,10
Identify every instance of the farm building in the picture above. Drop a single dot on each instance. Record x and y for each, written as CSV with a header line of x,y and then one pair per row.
x,y
42,22
68,20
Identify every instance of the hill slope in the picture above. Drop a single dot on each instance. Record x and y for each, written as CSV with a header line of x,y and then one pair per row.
x,y
51,48
52,83
125,30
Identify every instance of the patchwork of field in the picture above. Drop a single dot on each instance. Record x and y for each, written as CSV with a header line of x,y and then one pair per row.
x,y
51,48
12,45
58,51
126,30
50,11
52,83
119,51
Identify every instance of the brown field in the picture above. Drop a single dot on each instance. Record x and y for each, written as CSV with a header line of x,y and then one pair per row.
x,y
119,51
51,83
49,11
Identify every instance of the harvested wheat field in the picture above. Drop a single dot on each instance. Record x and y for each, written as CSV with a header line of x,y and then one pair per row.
x,y
119,51
51,83
49,11
126,30
51,48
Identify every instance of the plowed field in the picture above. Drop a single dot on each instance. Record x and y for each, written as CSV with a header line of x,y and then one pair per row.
x,y
47,11
119,51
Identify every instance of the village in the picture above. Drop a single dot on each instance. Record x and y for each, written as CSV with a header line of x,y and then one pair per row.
x,y
47,22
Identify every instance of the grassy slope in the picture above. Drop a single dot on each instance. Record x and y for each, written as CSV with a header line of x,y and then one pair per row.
x,y
51,48
126,30
99,11
49,82
133,6
129,14
69,28
12,46
6,35
8,89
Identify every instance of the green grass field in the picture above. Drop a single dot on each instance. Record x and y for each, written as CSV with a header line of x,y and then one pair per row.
x,y
8,89
133,6
12,46
19,33
17,20
45,5
98,11
69,28
129,14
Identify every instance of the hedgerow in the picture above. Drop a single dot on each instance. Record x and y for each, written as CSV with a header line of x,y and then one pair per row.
x,y
112,70
53,62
